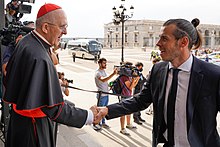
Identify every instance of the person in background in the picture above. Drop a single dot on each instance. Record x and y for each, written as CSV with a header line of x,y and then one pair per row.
x,y
207,58
10,48
127,84
33,88
101,81
137,115
149,110
12,10
63,83
55,53
8,52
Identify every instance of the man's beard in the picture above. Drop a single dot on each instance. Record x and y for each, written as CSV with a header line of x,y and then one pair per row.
x,y
103,67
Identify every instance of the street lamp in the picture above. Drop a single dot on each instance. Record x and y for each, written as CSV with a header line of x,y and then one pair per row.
x,y
121,17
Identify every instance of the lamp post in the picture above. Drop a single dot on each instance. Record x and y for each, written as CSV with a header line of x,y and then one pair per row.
x,y
121,17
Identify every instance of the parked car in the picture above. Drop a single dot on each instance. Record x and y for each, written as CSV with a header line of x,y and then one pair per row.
x,y
213,55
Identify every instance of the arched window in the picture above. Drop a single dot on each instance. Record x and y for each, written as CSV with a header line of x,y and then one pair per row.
x,y
135,28
108,38
207,38
206,33
116,38
135,37
126,38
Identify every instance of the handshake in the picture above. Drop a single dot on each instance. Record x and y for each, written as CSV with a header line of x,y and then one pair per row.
x,y
99,113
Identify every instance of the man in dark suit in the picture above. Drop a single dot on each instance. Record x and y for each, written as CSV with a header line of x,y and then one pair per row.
x,y
197,91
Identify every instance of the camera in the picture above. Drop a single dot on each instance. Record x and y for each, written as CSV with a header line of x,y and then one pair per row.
x,y
12,32
69,81
128,70
14,12
61,76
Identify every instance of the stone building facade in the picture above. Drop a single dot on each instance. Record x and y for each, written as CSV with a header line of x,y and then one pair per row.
x,y
145,33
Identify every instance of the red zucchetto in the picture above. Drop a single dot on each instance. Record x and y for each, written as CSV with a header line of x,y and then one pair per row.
x,y
46,8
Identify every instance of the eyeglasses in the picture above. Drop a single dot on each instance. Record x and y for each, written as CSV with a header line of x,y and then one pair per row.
x,y
62,28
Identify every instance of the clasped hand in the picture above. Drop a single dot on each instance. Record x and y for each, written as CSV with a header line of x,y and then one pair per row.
x,y
99,113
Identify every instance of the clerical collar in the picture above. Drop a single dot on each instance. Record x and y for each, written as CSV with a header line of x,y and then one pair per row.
x,y
186,66
41,37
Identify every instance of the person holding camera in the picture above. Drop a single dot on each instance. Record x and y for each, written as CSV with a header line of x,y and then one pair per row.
x,y
11,46
101,81
12,10
8,52
63,83
127,84
137,115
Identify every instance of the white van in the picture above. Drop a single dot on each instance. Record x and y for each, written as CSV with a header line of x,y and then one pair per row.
x,y
84,48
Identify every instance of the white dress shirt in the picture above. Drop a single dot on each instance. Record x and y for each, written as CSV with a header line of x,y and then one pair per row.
x,y
180,124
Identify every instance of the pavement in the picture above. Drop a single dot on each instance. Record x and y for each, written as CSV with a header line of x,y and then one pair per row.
x,y
82,73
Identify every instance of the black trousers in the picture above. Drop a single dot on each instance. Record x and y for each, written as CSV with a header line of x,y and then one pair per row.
x,y
136,115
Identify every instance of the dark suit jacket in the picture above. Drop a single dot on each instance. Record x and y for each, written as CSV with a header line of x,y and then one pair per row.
x,y
203,103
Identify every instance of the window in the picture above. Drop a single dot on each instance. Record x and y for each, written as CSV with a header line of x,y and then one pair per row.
x,y
135,28
108,38
116,29
126,38
126,28
207,38
135,38
206,32
116,38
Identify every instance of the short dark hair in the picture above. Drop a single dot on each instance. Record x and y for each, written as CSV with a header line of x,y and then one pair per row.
x,y
139,64
101,60
60,74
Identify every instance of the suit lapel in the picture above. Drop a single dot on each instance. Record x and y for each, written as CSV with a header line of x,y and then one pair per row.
x,y
195,83
162,89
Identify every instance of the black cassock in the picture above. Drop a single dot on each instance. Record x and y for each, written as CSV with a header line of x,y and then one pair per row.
x,y
32,83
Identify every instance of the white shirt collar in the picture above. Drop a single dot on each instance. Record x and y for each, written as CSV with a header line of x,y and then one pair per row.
x,y
39,35
186,66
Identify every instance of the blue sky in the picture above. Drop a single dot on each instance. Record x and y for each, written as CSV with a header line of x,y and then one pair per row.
x,y
86,18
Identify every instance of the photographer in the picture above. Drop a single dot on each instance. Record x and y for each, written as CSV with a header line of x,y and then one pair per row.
x,y
11,46
137,115
8,52
127,84
12,12
63,82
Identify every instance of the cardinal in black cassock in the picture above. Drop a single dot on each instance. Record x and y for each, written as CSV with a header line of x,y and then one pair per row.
x,y
33,89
